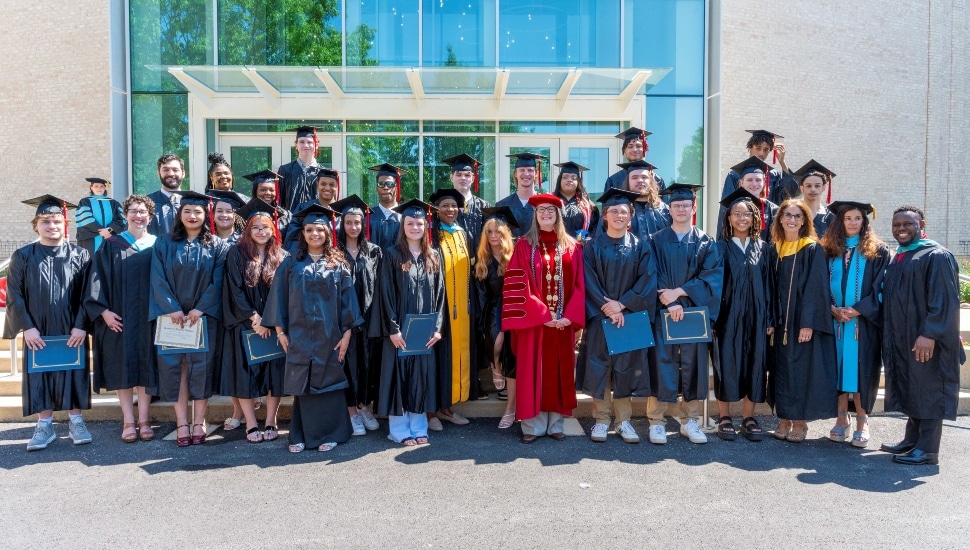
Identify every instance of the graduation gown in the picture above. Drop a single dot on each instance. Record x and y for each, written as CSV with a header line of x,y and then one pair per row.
x,y
802,377
297,185
314,304
771,210
741,330
45,288
471,219
624,270
821,221
695,265
580,225
239,302
647,220
409,383
120,281
523,214
166,207
921,298
869,322
96,212
384,229
457,371
545,356
187,275
488,325
363,361
781,187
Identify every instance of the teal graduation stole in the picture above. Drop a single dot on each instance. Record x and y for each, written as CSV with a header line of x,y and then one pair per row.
x,y
851,267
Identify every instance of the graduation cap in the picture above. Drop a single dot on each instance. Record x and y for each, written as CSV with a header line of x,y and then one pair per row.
x,y
840,207
637,165
354,205
262,177
615,195
545,198
316,213
753,165
192,198
441,194
571,168
502,213
813,166
463,162
529,160
634,133
97,180
387,169
49,204
416,208
330,173
682,192
771,139
257,206
742,194
229,197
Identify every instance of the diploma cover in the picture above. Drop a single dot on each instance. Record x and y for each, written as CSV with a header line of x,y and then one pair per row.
x,y
416,331
259,349
694,328
56,355
187,336
636,333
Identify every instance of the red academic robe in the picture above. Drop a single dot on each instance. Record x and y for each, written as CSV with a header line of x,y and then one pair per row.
x,y
545,361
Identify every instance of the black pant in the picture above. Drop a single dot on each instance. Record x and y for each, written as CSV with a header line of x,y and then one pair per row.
x,y
925,433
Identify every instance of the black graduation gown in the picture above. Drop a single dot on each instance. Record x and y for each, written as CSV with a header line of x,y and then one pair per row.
x,y
694,264
187,275
90,217
618,180
488,325
407,383
45,288
746,312
802,383
780,188
297,185
290,229
363,361
384,229
471,220
921,298
314,304
166,207
821,221
771,210
120,281
239,302
573,219
869,307
647,220
624,270
523,214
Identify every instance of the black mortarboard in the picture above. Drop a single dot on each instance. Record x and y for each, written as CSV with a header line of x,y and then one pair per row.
x,y
328,173
765,133
615,195
440,194
503,213
463,162
49,204
261,176
97,180
387,169
815,166
255,206
414,208
315,213
637,165
193,198
229,197
527,159
350,205
571,168
750,165
739,194
681,191
305,131
632,133
838,207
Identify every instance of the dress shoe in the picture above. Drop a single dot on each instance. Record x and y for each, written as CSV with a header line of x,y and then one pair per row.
x,y
558,436
529,438
916,457
900,448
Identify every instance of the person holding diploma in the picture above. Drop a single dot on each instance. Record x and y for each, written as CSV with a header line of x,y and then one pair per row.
x,y
621,278
313,309
543,303
250,268
690,271
124,359
187,277
411,282
45,287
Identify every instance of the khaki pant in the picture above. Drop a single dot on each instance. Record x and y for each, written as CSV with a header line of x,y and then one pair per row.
x,y
657,409
542,424
623,407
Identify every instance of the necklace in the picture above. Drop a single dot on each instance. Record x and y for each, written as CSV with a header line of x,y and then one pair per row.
x,y
553,276
315,257
450,273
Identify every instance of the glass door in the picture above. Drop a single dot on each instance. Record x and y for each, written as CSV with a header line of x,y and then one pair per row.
x,y
251,153
547,147
595,154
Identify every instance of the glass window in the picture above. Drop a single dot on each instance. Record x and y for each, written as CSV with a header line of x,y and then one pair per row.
x,y
167,33
159,125
366,151
438,176
382,126
580,33
247,125
667,33
544,167
279,32
459,33
459,126
597,159
677,146
559,127
382,32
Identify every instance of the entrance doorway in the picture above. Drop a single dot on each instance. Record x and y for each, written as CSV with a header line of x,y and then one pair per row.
x,y
594,152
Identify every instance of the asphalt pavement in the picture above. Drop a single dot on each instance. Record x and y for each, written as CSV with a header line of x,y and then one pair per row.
x,y
478,487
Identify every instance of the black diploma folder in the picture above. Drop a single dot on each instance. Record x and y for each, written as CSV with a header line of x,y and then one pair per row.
x,y
694,328
203,345
636,333
417,329
259,349
56,355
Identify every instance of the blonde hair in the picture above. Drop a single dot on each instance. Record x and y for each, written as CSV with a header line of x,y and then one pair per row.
x,y
484,252
652,192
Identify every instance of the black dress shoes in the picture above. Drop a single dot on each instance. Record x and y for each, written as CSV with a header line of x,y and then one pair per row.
x,y
900,448
529,438
917,457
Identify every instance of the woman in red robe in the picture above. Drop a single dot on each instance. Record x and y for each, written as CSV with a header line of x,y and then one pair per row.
x,y
543,305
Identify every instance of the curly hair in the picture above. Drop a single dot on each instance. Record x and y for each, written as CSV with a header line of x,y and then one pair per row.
x,y
257,270
825,177
833,242
484,252
205,232
140,199
908,208
215,160
807,229
331,254
755,139
754,231
169,157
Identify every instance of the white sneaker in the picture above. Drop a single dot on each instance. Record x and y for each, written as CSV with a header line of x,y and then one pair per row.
x,y
369,421
693,432
658,434
599,432
628,433
357,422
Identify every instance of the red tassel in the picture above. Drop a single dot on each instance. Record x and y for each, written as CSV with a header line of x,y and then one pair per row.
x,y
774,156
316,142
643,142
337,196
829,194
398,186
539,173
212,218
276,183
428,218
367,225
764,192
764,222
333,227
66,223
475,166
276,226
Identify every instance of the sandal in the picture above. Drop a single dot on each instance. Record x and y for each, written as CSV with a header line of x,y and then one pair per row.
x,y
860,438
409,442
258,403
183,441
297,447
798,432
783,429
270,433
838,433
129,437
497,379
198,439
328,446
725,429
145,431
253,435
421,440
231,423
503,423
751,430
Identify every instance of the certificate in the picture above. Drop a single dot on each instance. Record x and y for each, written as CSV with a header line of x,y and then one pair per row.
x,y
170,335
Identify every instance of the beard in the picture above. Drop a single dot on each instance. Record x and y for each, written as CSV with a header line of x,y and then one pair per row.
x,y
171,183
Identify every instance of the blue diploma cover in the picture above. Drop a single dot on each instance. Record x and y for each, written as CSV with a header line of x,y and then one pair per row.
x,y
417,329
56,355
636,333
694,328
259,349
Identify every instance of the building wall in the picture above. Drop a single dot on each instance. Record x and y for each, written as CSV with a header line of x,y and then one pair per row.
x,y
873,90
54,106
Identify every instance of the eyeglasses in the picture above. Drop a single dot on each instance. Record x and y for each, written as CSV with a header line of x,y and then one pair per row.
x,y
545,209
681,206
741,215
795,217
260,228
138,212
387,184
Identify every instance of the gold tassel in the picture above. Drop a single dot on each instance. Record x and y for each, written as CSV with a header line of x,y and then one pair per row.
x,y
784,338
